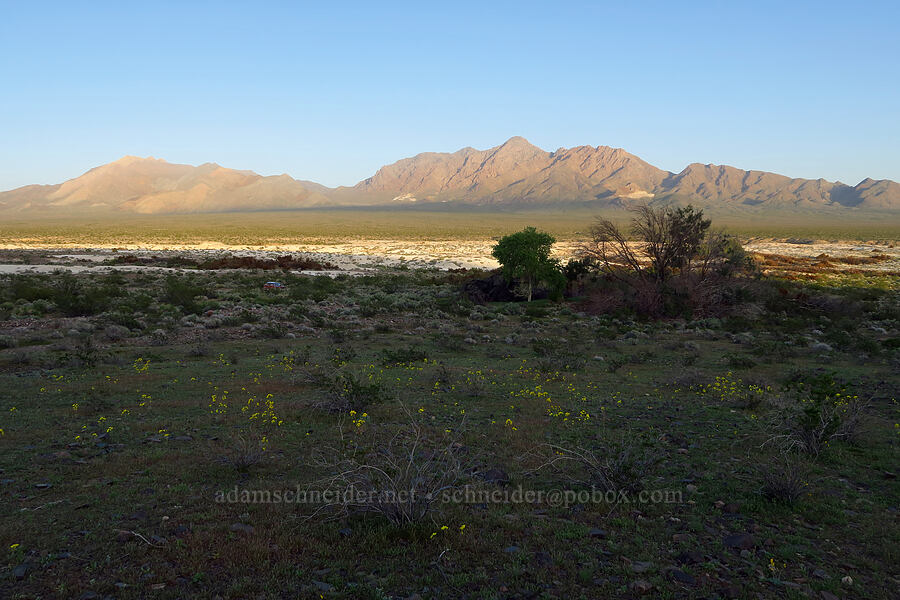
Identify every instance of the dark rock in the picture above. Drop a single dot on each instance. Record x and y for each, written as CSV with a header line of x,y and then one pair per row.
x,y
323,586
682,577
743,541
597,533
495,288
495,475
511,549
641,587
689,558
641,567
241,528
22,571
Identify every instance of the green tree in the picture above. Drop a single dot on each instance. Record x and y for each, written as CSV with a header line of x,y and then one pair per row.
x,y
526,256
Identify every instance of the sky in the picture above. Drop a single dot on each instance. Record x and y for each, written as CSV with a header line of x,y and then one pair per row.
x,y
331,91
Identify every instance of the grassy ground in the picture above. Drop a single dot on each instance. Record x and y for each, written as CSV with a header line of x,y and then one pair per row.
x,y
127,409
327,226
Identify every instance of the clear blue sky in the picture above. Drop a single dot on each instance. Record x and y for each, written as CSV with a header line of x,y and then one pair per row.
x,y
330,91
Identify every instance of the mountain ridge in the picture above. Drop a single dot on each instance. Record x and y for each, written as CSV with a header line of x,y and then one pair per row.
x,y
513,174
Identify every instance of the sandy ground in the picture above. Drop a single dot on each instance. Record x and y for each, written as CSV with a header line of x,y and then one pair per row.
x,y
365,255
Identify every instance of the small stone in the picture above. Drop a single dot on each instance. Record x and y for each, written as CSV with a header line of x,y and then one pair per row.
x,y
820,574
511,549
641,587
495,475
641,567
847,580
689,558
682,577
346,532
826,595
743,541
21,571
88,596
597,533
746,554
691,488
241,528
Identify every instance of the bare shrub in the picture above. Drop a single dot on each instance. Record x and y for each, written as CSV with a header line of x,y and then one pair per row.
x,y
200,349
556,356
611,466
444,377
668,262
815,411
400,478
242,452
348,391
784,479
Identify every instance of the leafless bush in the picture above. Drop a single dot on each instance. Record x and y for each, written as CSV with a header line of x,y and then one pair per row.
x,y
667,261
242,452
814,412
200,349
784,479
444,377
400,478
612,466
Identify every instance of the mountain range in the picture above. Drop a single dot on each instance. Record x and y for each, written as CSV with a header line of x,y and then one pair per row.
x,y
515,174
